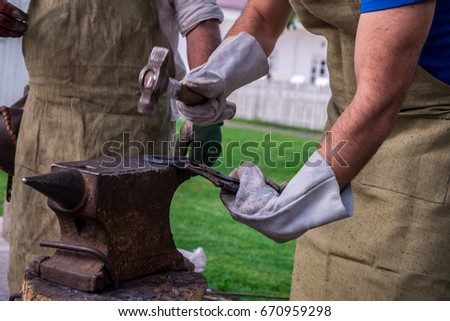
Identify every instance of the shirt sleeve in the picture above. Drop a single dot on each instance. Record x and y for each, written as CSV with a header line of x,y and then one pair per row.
x,y
190,13
376,5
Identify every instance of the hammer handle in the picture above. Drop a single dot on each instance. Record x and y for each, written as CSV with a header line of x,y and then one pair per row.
x,y
190,97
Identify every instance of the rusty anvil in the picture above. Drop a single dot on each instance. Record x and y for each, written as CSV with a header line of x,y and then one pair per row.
x,y
114,219
154,81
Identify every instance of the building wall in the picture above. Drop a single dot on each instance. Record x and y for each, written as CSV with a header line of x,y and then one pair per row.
x,y
298,55
297,92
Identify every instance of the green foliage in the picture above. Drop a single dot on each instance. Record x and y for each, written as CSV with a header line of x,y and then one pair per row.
x,y
291,22
3,182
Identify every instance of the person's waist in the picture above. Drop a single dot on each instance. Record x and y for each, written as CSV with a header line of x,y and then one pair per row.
x,y
109,90
104,99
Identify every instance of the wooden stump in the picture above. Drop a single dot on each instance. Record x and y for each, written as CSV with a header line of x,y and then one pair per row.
x,y
165,286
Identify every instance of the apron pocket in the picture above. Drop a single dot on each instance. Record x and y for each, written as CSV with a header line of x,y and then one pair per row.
x,y
414,160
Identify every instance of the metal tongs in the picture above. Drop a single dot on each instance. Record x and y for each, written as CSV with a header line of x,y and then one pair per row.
x,y
218,179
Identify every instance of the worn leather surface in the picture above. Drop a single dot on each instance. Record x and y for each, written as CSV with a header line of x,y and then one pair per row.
x,y
9,128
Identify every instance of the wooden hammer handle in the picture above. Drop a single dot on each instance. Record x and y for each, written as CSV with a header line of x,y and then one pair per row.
x,y
190,97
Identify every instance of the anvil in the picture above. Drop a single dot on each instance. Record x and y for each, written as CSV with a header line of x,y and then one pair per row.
x,y
114,220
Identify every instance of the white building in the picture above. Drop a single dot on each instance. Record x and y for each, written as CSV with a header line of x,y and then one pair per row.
x,y
297,92
299,56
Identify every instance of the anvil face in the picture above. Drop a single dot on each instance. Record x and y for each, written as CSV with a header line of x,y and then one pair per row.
x,y
120,228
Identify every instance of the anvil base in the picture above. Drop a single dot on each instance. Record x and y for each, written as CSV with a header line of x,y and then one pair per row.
x,y
164,286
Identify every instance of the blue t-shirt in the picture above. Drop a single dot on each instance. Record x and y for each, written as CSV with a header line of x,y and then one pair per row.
x,y
435,57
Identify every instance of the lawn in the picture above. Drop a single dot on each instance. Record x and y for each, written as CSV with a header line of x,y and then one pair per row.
x,y
239,259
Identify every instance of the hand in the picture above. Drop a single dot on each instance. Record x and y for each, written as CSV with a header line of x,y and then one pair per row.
x,y
238,61
12,20
204,143
311,199
214,111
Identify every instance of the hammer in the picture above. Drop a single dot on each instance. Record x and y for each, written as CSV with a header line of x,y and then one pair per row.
x,y
154,81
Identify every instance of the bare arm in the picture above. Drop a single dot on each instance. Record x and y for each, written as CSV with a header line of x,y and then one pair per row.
x,y
388,46
202,41
265,20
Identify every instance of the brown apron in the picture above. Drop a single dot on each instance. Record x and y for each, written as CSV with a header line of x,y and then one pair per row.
x,y
83,59
397,244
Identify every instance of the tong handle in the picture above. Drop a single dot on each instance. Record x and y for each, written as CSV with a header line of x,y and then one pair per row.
x,y
217,178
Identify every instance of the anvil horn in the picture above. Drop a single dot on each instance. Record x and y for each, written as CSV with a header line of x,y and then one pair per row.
x,y
65,187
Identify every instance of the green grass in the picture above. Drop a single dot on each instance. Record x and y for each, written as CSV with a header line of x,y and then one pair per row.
x,y
278,126
3,182
239,259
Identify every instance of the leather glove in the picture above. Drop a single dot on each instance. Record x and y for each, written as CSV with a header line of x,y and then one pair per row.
x,y
212,112
238,61
12,20
311,199
204,142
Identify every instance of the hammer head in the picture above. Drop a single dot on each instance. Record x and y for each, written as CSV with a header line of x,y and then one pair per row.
x,y
153,80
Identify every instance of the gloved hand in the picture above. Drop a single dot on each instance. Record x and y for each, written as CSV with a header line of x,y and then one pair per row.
x,y
212,112
238,61
204,143
311,199
12,20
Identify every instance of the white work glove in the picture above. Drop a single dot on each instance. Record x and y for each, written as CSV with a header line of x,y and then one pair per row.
x,y
238,61
311,199
214,111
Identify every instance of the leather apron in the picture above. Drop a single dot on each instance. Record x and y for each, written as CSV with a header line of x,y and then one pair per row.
x,y
84,59
397,244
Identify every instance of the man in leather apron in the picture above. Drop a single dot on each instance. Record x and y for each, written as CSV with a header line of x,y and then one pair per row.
x,y
388,135
84,59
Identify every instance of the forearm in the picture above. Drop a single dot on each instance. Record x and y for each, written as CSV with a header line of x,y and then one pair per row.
x,y
265,20
354,139
239,60
202,41
388,46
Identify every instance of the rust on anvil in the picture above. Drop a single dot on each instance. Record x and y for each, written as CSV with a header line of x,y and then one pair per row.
x,y
123,213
